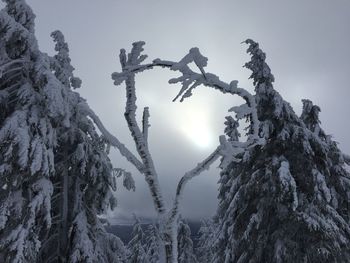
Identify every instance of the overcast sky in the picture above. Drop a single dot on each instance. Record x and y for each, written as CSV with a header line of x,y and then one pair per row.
x,y
307,46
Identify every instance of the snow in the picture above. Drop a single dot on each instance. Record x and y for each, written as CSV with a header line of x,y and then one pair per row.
x,y
321,185
128,181
241,111
288,183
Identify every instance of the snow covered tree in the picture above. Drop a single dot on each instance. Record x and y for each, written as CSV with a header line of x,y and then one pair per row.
x,y
83,182
279,202
136,246
335,158
185,244
205,248
27,135
153,244
55,175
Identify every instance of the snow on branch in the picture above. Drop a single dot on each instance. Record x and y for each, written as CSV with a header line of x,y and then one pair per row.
x,y
124,151
128,181
128,62
6,65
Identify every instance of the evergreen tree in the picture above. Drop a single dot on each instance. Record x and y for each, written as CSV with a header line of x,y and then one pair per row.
x,y
285,201
185,244
83,180
136,246
55,175
205,249
27,135
153,244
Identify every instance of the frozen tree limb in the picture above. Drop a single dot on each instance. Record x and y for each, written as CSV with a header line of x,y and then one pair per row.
x,y
145,123
124,151
133,59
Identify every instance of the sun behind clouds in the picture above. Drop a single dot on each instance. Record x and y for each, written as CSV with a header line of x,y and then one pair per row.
x,y
195,125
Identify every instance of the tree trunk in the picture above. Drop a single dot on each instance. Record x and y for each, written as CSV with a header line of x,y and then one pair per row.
x,y
170,245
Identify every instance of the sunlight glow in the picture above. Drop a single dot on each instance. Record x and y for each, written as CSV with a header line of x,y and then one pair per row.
x,y
195,126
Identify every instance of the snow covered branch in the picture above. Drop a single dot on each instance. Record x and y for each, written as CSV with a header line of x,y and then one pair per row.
x,y
134,58
10,63
124,151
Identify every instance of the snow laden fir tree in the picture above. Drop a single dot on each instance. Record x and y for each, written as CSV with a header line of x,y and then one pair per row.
x,y
55,175
287,200
284,191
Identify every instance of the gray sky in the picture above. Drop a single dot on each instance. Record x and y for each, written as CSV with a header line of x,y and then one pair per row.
x,y
307,45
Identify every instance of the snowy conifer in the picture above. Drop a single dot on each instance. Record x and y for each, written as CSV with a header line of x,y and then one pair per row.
x,y
27,135
205,248
84,179
281,202
153,240
185,244
136,246
48,147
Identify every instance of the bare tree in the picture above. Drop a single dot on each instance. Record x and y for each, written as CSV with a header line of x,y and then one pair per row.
x,y
131,65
